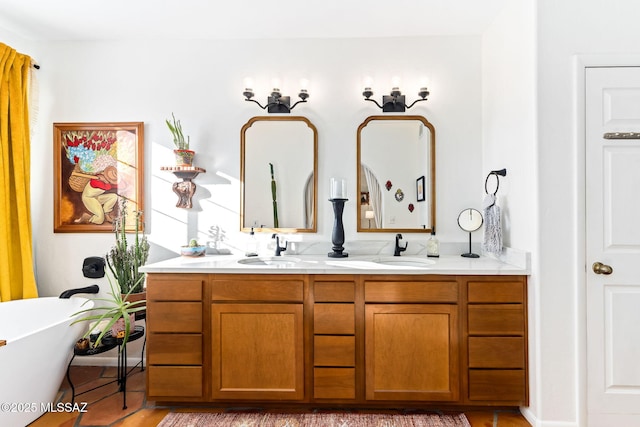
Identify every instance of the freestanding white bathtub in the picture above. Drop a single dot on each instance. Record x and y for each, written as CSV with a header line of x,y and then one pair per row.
x,y
33,362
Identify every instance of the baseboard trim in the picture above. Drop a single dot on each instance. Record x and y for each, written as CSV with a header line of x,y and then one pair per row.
x,y
535,422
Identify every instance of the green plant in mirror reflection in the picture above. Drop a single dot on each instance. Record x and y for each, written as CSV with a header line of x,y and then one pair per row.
x,y
273,198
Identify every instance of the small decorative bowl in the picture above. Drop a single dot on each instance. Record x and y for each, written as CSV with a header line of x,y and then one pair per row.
x,y
192,251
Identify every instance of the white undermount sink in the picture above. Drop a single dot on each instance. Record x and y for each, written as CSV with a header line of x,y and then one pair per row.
x,y
400,261
275,261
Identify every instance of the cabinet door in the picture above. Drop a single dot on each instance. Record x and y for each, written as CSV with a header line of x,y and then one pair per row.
x,y
257,351
412,352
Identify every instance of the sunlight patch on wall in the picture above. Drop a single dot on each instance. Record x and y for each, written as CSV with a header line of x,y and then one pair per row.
x,y
213,220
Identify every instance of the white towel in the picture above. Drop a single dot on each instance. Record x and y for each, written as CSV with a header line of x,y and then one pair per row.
x,y
492,226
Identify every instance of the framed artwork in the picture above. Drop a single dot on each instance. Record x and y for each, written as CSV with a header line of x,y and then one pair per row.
x,y
364,197
420,189
98,168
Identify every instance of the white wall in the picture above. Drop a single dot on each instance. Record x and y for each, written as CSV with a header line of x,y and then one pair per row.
x,y
22,45
566,30
509,141
509,127
202,82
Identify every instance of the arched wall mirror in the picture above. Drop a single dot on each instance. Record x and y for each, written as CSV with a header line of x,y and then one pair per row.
x,y
396,179
278,174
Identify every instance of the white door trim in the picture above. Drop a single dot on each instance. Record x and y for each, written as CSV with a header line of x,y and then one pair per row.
x,y
581,62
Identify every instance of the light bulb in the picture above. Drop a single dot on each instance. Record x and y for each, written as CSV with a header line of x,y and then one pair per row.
x,y
248,83
275,83
395,82
367,82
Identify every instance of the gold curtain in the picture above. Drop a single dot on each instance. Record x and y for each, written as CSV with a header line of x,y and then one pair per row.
x,y
17,279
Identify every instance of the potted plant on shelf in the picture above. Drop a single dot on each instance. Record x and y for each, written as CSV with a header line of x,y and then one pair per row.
x,y
184,156
125,260
116,314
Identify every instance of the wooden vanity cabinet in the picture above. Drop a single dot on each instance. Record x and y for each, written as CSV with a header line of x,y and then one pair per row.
x,y
412,339
175,337
257,337
496,340
365,340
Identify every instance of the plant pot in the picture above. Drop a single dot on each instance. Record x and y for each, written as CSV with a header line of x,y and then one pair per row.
x,y
82,344
184,157
118,328
134,297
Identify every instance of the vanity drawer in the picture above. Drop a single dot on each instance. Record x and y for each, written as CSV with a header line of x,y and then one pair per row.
x,y
240,289
334,383
338,319
496,292
411,292
175,317
496,352
332,350
174,349
501,385
496,319
170,381
334,291
175,289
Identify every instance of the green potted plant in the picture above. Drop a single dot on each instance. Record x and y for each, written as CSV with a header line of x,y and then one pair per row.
x,y
184,156
115,314
125,260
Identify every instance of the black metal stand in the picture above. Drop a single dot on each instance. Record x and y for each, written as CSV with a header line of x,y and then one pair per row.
x,y
337,236
108,343
470,254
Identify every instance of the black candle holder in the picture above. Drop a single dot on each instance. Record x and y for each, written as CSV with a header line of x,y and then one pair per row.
x,y
337,236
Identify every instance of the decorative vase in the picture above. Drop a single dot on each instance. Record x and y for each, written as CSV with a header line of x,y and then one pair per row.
x,y
184,157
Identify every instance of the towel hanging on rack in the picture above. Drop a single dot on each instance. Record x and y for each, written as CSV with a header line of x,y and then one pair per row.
x,y
492,242
492,226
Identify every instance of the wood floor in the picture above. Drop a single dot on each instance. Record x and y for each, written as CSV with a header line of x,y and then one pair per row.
x,y
104,404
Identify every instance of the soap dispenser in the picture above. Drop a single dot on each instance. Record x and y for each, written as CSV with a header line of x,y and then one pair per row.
x,y
252,245
433,245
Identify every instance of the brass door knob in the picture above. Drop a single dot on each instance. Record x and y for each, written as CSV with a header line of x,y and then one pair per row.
x,y
600,268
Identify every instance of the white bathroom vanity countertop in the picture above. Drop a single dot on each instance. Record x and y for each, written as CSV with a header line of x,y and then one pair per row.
x,y
364,264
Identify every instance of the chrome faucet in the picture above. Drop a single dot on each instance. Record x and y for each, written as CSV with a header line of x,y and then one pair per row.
x,y
279,249
398,248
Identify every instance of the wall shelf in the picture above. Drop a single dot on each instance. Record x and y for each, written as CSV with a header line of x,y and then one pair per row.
x,y
185,189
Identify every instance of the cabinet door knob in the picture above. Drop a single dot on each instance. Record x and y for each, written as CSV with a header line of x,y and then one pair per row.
x,y
600,268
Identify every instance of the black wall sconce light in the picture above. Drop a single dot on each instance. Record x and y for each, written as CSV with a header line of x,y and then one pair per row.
x,y
276,103
394,102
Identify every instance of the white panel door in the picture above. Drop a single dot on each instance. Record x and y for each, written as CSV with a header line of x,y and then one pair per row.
x,y
613,240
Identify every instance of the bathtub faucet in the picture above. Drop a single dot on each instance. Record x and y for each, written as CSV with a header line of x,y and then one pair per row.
x,y
93,289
